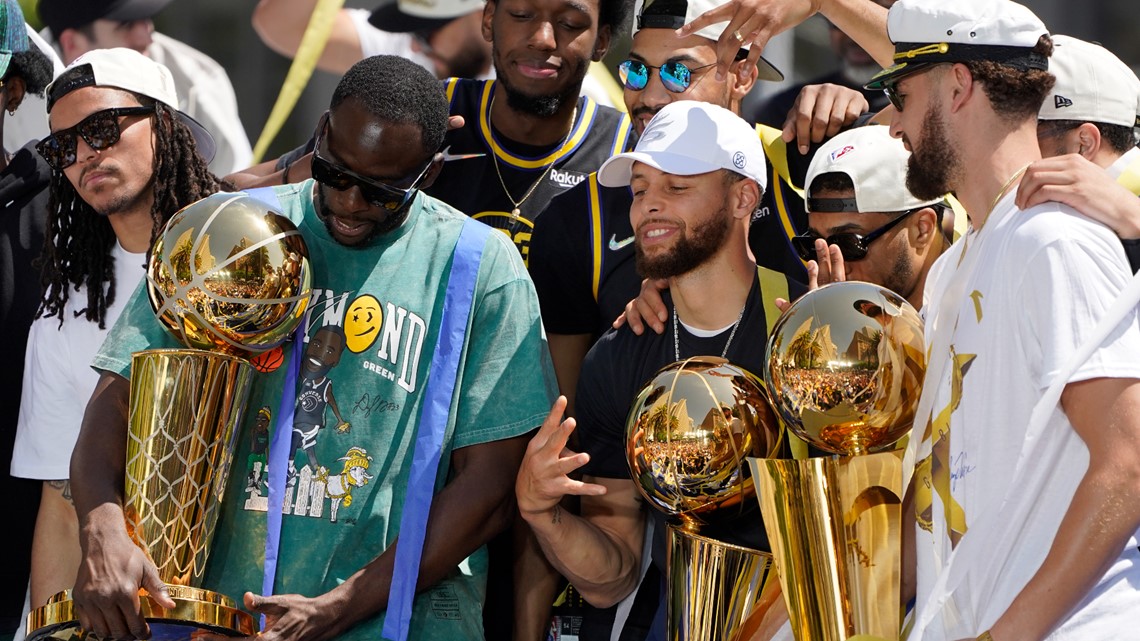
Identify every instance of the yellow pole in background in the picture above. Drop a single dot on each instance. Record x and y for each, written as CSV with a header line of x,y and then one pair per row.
x,y
308,52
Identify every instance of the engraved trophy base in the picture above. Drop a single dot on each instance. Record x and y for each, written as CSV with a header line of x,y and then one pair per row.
x,y
196,609
716,590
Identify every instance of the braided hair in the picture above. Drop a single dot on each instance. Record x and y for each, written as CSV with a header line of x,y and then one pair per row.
x,y
77,248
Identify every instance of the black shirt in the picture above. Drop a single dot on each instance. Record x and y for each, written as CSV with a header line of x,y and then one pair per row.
x,y
616,368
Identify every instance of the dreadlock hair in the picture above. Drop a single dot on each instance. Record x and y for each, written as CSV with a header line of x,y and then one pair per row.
x,y
77,248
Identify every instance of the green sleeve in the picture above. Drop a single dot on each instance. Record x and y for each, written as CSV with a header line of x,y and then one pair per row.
x,y
135,330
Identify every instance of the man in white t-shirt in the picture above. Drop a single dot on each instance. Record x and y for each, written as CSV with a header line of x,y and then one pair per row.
x,y
116,178
75,27
1026,518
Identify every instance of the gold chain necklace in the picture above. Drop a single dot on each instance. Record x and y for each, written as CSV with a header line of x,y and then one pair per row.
x,y
1001,192
516,212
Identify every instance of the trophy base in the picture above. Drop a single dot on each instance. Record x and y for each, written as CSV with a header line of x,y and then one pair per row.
x,y
195,609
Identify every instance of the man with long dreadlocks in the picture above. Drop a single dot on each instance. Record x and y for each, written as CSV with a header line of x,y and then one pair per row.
x,y
123,161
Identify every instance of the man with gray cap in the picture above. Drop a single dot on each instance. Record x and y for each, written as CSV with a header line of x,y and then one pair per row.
x,y
697,174
1026,449
123,160
78,26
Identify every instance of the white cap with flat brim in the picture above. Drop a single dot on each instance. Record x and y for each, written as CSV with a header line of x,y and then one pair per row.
x,y
876,164
690,137
1093,85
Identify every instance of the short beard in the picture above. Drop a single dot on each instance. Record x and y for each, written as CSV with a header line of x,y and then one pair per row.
x,y
899,279
542,106
934,166
688,253
394,220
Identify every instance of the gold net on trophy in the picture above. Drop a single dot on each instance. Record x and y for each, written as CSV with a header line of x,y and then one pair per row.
x,y
688,434
230,278
845,366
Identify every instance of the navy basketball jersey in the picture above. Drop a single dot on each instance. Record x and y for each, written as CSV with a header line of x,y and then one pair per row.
x,y
471,183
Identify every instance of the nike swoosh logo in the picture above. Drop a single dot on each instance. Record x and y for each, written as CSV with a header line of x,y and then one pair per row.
x,y
447,157
616,244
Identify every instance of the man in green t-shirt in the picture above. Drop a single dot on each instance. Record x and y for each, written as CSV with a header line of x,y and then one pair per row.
x,y
380,279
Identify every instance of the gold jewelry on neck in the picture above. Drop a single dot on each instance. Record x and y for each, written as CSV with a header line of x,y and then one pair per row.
x,y
516,212
1001,192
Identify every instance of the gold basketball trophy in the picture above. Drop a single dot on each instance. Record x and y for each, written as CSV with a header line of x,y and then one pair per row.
x,y
845,367
687,436
230,278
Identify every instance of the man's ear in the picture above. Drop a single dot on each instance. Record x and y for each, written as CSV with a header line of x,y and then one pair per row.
x,y
1089,140
14,91
433,172
747,198
742,82
963,86
602,43
926,227
488,14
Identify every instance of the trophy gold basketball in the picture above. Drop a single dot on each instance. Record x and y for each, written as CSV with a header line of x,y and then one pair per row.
x,y
230,279
688,434
844,369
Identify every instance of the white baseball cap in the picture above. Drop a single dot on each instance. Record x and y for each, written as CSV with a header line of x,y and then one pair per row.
x,y
927,32
128,69
1093,85
876,164
674,14
690,137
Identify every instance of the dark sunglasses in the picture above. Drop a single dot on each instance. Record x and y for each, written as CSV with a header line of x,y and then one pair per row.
x,y
893,96
341,179
676,76
853,246
100,130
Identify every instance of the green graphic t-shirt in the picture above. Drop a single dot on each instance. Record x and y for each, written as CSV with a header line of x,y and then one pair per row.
x,y
371,331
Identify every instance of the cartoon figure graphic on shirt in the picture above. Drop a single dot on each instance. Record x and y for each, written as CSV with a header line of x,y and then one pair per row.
x,y
257,463
258,457
315,396
354,473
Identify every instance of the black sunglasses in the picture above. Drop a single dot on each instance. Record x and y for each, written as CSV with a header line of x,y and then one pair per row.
x,y
100,130
341,179
676,76
853,246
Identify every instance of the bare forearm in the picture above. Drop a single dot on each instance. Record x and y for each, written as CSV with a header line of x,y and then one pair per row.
x,y
601,569
536,585
1102,516
99,457
865,22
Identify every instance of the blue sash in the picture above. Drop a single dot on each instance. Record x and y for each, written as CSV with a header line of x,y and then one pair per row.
x,y
278,464
432,426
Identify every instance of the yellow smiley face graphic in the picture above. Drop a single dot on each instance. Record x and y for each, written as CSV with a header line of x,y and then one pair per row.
x,y
362,324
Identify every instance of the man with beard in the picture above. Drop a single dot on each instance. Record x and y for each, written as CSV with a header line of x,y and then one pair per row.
x,y
528,136
1024,488
863,224
371,235
697,175
122,161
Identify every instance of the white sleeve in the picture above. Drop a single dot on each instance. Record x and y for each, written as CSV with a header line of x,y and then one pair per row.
x,y
51,408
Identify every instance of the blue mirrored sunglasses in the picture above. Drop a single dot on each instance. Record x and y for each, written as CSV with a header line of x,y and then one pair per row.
x,y
676,76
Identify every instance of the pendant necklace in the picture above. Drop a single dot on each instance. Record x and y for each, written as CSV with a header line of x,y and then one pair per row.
x,y
516,212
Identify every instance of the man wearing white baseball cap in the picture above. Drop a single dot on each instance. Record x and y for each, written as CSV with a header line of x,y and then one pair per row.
x,y
697,174
1086,125
863,224
123,161
1026,448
